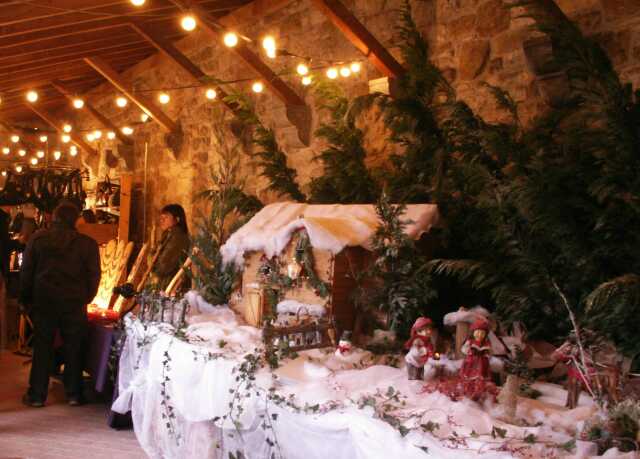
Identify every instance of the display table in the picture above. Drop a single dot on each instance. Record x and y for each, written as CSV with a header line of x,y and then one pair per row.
x,y
192,399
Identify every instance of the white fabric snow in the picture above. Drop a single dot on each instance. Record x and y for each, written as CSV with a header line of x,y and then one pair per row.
x,y
295,307
199,382
330,227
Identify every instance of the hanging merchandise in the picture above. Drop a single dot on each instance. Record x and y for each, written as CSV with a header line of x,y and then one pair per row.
x,y
44,188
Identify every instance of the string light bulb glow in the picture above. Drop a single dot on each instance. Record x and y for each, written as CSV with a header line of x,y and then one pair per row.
x,y
137,2
43,138
355,67
67,128
90,137
257,87
32,96
164,98
111,135
73,150
15,138
40,154
34,161
56,155
302,69
127,130
269,45
66,138
78,103
332,73
144,117
6,150
306,80
22,152
97,133
18,169
4,173
121,101
188,22
230,39
345,71
211,94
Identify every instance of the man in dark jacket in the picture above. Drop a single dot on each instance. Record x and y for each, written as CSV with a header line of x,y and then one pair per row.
x,y
59,277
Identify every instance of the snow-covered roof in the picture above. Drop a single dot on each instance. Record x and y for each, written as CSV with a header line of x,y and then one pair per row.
x,y
330,227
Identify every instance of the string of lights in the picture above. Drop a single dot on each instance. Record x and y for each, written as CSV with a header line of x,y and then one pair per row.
x,y
306,68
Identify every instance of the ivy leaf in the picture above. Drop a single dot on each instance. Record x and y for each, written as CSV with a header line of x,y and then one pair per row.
x,y
431,427
497,432
568,446
530,438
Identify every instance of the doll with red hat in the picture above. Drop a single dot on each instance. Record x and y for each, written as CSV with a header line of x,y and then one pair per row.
x,y
477,350
420,347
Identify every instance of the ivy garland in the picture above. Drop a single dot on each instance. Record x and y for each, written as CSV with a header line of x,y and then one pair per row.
x,y
276,284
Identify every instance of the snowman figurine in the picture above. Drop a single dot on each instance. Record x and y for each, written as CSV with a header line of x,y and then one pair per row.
x,y
344,344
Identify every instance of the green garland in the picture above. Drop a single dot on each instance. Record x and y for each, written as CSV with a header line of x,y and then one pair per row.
x,y
276,284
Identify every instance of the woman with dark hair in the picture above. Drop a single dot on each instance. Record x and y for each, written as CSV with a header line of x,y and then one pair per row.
x,y
174,245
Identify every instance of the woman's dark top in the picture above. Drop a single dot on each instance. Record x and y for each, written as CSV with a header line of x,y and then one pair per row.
x,y
173,251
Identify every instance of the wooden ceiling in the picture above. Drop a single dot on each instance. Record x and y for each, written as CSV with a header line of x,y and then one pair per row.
x,y
46,40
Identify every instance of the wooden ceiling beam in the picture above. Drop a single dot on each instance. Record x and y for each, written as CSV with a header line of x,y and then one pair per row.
x,y
124,86
175,55
78,141
30,78
360,37
34,64
271,80
64,90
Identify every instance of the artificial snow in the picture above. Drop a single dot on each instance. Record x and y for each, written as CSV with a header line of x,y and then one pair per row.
x,y
330,227
466,315
199,380
296,308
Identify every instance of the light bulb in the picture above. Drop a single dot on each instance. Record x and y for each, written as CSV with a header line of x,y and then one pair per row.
x,y
66,138
6,150
188,22
15,138
257,87
355,67
4,173
211,94
306,80
127,130
302,69
97,133
269,42
345,71
137,2
271,53
67,128
144,117
230,39
57,154
73,150
43,138
40,154
90,137
78,103
332,73
22,152
18,169
121,101
34,161
164,98
111,135
32,96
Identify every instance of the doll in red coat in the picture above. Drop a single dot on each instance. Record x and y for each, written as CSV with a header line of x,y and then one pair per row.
x,y
420,347
475,374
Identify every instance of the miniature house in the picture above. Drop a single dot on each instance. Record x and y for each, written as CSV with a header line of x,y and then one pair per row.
x,y
339,238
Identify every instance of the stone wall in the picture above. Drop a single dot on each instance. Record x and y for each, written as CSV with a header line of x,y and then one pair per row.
x,y
472,40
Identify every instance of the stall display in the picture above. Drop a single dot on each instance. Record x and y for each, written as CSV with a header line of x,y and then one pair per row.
x,y
205,390
113,260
